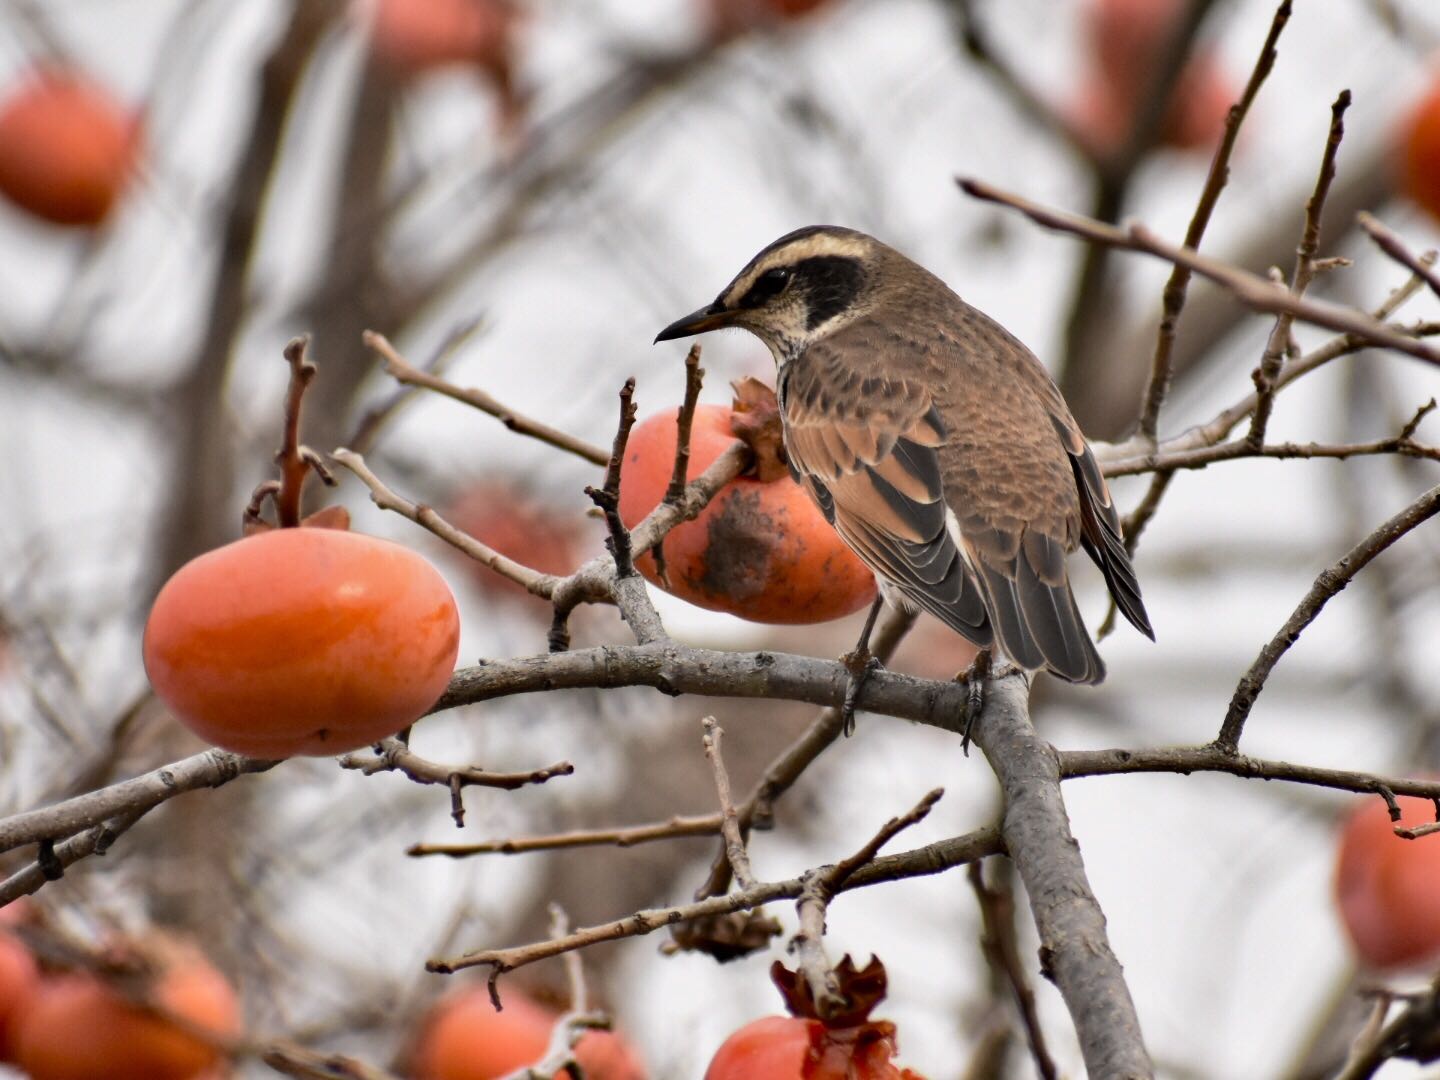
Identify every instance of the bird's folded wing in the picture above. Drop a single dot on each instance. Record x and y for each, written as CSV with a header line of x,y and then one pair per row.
x,y
1100,531
876,477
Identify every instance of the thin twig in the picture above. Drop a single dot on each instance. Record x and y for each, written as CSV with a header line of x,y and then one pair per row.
x,y
534,581
1254,291
1391,244
1002,949
920,862
398,368
1278,344
758,809
677,827
392,755
1173,298
735,851
819,888
1330,582
607,498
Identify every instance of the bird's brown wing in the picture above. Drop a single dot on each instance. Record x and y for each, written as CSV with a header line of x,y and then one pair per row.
x,y
875,474
1009,481
1100,532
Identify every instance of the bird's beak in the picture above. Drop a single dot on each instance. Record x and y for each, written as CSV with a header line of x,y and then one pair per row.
x,y
697,322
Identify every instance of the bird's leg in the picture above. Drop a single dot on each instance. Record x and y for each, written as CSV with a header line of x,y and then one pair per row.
x,y
860,663
974,678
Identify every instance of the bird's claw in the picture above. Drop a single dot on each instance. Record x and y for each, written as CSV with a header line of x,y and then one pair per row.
x,y
861,664
974,677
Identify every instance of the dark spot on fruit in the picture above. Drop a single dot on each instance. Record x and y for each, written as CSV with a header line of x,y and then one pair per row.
x,y
740,540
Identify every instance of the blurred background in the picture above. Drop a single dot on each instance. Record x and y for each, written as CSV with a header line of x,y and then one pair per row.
x,y
524,194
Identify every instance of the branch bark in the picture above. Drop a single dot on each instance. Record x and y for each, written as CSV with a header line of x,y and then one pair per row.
x,y
1075,953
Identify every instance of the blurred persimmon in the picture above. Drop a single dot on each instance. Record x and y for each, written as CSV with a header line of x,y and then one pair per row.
x,y
727,18
1126,41
520,527
19,982
79,1028
1387,887
1420,151
761,550
302,641
66,148
464,1038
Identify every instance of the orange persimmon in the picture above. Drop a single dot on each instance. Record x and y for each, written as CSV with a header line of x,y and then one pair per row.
x,y
302,641
761,550
464,1038
1386,886
79,1028
66,148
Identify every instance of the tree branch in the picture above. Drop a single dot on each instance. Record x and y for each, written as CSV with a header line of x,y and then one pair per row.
x,y
1075,953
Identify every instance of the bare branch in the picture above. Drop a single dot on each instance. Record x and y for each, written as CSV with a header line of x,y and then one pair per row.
x,y
1173,298
1075,951
399,369
1250,289
820,887
1330,582
1002,949
392,755
140,794
1392,245
629,836
920,862
735,851
1275,349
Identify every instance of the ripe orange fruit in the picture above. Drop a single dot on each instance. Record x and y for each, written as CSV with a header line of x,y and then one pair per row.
x,y
66,148
302,641
760,550
1386,886
464,1038
1420,152
791,1048
78,1028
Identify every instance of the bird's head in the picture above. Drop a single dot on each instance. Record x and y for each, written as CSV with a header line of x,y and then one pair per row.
x,y
802,287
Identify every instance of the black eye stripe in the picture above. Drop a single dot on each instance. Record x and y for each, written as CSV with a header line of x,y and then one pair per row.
x,y
767,286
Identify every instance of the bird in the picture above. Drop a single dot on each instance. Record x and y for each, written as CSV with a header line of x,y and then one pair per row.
x,y
935,443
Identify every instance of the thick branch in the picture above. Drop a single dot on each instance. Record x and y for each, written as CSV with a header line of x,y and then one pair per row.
x,y
142,793
1075,953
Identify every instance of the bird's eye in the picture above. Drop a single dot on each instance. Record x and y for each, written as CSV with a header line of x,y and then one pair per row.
x,y
767,286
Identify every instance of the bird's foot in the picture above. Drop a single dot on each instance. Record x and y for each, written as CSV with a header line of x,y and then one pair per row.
x,y
861,664
974,677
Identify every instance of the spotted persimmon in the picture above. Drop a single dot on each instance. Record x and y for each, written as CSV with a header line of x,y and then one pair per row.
x,y
66,148
1386,885
464,1038
302,641
761,550
1420,151
78,1027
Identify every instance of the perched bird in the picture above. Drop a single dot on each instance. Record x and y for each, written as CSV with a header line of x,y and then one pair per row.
x,y
934,442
